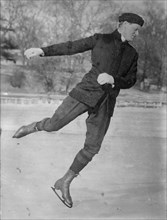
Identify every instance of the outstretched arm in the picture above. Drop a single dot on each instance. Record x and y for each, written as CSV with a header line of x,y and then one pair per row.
x,y
70,47
67,48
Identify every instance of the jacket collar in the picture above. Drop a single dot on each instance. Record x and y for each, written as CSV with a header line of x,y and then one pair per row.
x,y
118,37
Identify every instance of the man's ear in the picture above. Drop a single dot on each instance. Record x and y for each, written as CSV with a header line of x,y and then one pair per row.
x,y
125,22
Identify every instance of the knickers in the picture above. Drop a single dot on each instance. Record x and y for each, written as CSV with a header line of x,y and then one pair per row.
x,y
65,113
97,125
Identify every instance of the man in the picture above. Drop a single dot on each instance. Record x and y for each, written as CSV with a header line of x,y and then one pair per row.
x,y
114,67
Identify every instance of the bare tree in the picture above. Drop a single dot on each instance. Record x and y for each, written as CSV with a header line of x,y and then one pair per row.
x,y
151,45
22,18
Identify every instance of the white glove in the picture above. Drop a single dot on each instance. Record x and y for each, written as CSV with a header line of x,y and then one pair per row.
x,y
33,52
104,78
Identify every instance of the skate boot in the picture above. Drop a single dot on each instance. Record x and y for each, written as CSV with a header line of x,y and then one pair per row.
x,y
25,130
63,185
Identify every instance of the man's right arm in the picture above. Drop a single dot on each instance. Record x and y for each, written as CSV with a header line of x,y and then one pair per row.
x,y
67,48
70,47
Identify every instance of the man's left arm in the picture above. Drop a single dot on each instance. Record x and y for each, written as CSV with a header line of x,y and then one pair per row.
x,y
129,80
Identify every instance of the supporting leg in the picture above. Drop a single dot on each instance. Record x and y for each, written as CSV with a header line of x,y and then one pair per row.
x,y
97,126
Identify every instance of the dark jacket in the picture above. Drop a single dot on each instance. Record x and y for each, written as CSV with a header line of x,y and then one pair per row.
x,y
104,51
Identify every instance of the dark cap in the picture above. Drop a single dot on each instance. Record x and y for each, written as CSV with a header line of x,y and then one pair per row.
x,y
131,18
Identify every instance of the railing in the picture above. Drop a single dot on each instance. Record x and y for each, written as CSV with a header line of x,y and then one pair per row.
x,y
32,99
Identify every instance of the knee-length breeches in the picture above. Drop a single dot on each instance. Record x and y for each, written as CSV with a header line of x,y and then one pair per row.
x,y
97,124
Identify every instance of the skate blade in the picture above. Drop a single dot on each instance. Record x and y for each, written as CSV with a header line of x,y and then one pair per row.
x,y
63,201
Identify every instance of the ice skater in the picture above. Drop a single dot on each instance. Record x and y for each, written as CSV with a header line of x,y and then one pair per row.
x,y
114,67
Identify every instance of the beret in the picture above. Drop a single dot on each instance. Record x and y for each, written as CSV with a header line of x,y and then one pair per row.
x,y
131,18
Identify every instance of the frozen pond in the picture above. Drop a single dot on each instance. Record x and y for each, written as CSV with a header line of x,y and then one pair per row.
x,y
126,180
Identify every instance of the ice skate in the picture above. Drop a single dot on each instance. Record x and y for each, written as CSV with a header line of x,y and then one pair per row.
x,y
63,185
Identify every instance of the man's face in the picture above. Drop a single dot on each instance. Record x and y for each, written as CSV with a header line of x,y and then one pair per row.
x,y
130,30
